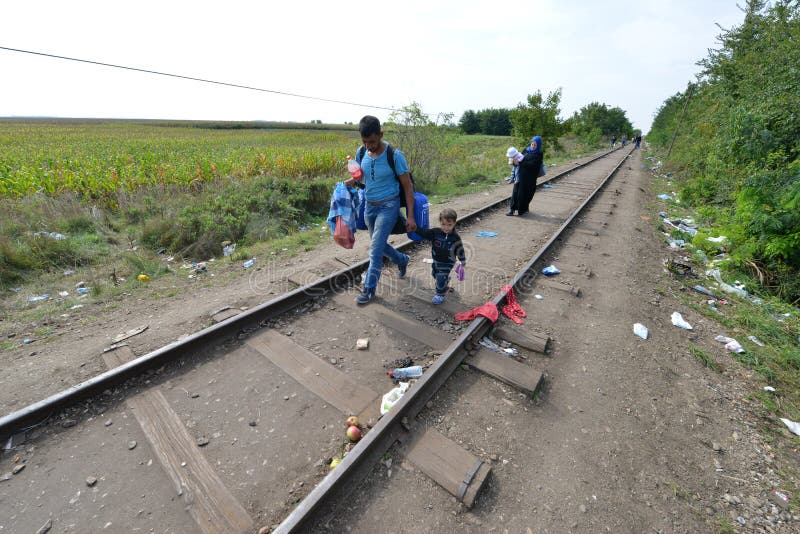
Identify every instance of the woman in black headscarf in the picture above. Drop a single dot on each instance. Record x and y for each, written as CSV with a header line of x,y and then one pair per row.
x,y
526,182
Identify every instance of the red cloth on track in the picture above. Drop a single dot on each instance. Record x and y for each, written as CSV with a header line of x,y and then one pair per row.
x,y
511,308
488,310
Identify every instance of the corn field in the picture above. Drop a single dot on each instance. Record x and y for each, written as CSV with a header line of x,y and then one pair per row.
x,y
99,159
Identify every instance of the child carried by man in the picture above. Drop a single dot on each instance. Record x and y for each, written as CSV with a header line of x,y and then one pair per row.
x,y
446,246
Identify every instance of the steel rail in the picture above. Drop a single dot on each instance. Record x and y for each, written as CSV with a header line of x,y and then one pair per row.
x,y
391,426
34,414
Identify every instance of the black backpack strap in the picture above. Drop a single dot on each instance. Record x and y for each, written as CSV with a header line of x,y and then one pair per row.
x,y
360,154
390,159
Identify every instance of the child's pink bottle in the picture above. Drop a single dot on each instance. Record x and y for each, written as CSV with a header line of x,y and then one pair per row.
x,y
354,169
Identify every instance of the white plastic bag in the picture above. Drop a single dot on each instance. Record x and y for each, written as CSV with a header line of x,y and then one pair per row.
x,y
391,398
730,344
640,330
680,322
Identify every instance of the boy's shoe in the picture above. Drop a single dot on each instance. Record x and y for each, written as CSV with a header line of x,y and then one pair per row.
x,y
403,267
365,296
437,299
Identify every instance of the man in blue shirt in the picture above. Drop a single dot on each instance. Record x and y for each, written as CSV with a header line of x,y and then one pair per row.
x,y
383,202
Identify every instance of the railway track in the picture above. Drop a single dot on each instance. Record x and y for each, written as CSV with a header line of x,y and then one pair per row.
x,y
231,428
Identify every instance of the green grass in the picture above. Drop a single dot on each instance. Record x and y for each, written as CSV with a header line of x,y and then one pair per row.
x,y
703,357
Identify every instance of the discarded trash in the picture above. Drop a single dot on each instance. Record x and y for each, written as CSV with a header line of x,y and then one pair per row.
x,y
720,239
679,321
731,289
68,272
427,260
130,333
664,196
755,340
483,233
27,340
538,297
779,498
769,388
730,344
39,297
489,344
550,270
249,263
82,290
741,520
391,398
640,330
334,463
677,243
662,214
415,371
228,249
143,278
362,343
512,308
52,235
704,291
488,310
794,427
548,186
63,293
77,306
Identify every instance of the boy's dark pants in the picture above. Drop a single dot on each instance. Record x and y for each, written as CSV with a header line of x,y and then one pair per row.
x,y
441,273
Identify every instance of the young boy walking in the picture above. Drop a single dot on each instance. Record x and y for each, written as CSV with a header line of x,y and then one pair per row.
x,y
446,247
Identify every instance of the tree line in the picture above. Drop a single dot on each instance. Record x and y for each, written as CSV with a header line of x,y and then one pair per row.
x,y
733,136
594,123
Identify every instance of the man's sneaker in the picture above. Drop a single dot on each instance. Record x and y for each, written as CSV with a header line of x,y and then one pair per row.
x,y
403,267
437,299
365,296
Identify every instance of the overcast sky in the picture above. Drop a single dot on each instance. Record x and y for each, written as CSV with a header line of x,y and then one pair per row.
x,y
447,56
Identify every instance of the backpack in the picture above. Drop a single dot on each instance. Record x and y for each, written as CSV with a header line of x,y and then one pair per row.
x,y
390,159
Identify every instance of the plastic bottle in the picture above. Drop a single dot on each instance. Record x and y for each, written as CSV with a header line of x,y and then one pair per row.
x,y
354,169
415,371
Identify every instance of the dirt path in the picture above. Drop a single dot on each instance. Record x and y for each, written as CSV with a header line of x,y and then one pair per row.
x,y
629,435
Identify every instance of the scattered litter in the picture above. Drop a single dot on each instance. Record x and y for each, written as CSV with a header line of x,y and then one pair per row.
x,y
82,290
730,344
548,186
400,373
687,229
249,263
130,333
391,398
664,196
679,321
550,270
731,289
39,298
27,340
362,343
794,427
779,498
755,340
427,260
76,307
228,249
704,291
483,233
741,520
68,272
488,310
512,308
489,344
52,235
640,330
769,388
677,243
662,214
401,362
63,293
720,239
538,297
143,278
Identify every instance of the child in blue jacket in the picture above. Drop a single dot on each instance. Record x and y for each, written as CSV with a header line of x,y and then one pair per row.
x,y
446,247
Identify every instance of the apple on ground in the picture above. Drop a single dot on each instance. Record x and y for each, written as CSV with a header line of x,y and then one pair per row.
x,y
352,421
353,433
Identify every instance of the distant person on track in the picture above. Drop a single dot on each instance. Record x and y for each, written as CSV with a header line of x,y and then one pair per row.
x,y
528,172
613,141
446,247
638,140
382,192
624,139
